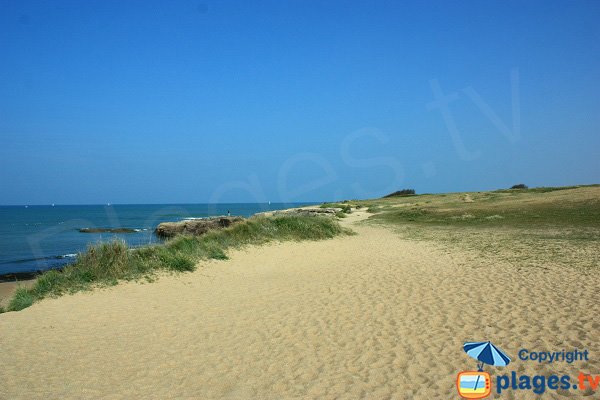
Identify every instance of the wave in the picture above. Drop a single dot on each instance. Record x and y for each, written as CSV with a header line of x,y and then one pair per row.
x,y
109,230
45,258
70,255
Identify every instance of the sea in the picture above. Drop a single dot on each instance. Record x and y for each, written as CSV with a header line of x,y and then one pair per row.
x,y
41,237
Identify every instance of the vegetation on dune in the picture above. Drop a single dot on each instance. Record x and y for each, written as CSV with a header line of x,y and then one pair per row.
x,y
535,227
569,206
22,299
586,213
345,207
106,263
544,189
403,192
519,186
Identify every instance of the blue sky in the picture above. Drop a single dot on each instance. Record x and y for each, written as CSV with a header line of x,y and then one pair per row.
x,y
243,101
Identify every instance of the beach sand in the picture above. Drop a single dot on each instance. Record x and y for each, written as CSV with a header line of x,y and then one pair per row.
x,y
366,316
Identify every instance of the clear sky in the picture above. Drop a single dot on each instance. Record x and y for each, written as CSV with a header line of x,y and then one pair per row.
x,y
244,101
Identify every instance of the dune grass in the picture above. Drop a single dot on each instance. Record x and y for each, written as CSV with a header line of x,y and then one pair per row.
x,y
573,206
535,227
105,264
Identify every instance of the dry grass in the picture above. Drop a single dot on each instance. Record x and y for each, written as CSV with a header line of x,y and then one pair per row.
x,y
537,227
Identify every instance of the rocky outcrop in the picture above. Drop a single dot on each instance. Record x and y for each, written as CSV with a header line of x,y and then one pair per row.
x,y
199,226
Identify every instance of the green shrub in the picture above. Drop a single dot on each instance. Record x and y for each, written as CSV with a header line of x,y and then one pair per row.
x,y
22,299
177,261
48,282
519,186
403,192
105,260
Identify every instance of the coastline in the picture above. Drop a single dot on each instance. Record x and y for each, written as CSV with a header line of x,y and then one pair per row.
x,y
346,317
9,282
43,237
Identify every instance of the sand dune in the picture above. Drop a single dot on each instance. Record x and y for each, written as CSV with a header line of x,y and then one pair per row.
x,y
367,316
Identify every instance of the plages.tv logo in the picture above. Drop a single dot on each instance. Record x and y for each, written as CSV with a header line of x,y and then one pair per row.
x,y
478,384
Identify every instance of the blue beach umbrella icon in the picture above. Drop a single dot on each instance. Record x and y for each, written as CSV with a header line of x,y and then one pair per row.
x,y
486,353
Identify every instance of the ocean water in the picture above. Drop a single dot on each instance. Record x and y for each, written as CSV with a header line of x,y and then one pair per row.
x,y
37,238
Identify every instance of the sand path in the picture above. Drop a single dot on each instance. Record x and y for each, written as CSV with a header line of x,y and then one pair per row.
x,y
365,316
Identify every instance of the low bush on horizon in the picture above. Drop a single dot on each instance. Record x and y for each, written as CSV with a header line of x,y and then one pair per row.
x,y
545,189
403,192
105,264
519,186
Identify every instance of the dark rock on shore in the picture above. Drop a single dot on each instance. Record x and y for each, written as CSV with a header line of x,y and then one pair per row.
x,y
196,227
19,276
108,230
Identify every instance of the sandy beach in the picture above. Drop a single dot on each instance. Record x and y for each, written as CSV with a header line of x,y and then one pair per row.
x,y
299,200
371,315
7,289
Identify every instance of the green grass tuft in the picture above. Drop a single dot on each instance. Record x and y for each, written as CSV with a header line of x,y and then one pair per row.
x,y
22,299
176,260
48,282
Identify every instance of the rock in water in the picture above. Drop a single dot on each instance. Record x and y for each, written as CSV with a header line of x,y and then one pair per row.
x,y
167,230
